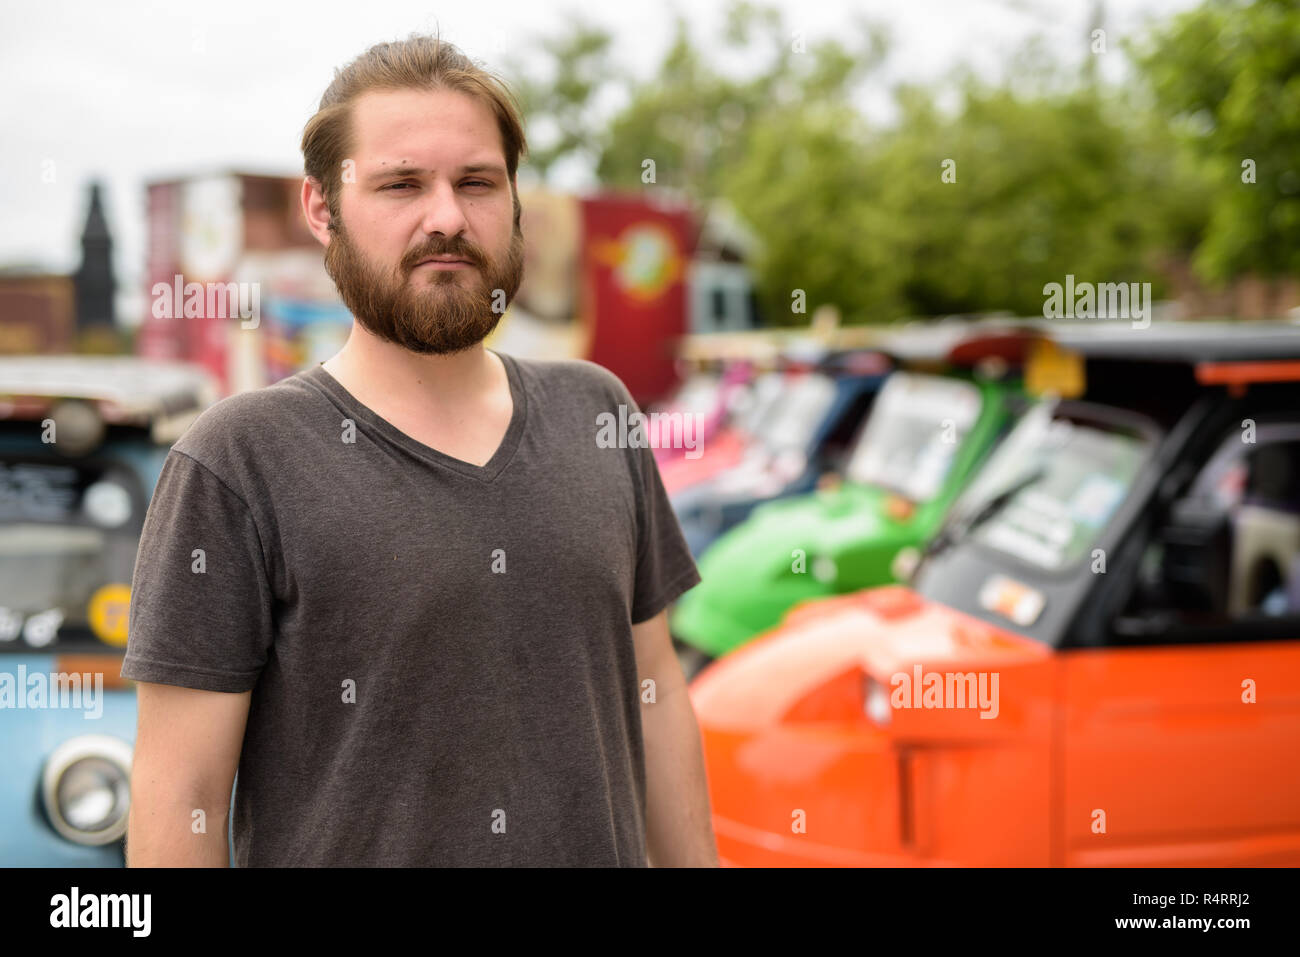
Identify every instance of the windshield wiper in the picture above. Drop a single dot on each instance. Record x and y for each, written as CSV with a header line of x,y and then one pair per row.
x,y
959,529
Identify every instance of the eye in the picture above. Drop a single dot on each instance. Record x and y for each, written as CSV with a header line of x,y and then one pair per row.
x,y
478,182
395,185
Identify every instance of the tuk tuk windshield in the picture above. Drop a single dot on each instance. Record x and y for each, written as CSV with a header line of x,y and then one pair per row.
x,y
698,394
796,417
913,434
754,404
1069,478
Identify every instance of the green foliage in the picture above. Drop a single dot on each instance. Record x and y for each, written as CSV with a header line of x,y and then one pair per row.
x,y
1055,173
1228,75
1042,188
694,122
583,66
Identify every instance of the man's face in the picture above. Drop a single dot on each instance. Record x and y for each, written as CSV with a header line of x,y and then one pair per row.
x,y
430,181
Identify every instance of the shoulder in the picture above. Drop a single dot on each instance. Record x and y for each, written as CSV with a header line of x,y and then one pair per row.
x,y
575,378
239,430
578,394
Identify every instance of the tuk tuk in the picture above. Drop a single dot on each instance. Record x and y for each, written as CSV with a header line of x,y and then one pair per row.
x,y
1097,661
707,396
82,443
806,433
933,423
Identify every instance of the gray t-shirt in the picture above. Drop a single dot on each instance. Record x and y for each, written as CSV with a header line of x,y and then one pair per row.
x,y
440,654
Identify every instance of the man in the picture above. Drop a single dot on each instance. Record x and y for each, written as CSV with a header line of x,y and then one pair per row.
x,y
404,592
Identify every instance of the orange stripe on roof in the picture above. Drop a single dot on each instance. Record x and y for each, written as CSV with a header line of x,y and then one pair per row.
x,y
1246,373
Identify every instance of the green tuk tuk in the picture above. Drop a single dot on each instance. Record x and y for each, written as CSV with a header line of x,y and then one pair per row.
x,y
925,437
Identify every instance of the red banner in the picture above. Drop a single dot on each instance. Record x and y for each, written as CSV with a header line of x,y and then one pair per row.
x,y
633,301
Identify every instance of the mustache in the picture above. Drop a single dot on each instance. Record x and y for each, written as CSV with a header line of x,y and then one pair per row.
x,y
458,249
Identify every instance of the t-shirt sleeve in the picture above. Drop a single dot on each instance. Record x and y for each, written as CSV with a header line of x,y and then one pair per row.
x,y
664,567
201,609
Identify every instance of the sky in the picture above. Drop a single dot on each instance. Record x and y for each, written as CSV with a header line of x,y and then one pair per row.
x,y
133,91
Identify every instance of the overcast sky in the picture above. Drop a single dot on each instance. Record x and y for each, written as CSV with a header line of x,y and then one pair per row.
x,y
131,91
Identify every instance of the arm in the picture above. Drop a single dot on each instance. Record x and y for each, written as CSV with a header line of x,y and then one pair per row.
x,y
186,753
679,829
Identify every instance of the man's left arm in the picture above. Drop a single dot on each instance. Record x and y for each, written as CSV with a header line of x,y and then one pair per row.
x,y
679,827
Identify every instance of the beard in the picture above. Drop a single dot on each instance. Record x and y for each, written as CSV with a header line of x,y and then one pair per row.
x,y
439,312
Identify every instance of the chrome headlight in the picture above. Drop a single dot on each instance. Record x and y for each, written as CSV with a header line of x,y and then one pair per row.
x,y
86,788
78,427
876,701
107,503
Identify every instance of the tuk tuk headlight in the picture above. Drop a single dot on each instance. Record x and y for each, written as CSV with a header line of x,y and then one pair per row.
x,y
107,504
78,427
824,569
875,701
905,563
86,788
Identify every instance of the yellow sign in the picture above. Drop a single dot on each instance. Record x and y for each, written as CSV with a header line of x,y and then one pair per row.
x,y
108,612
1050,368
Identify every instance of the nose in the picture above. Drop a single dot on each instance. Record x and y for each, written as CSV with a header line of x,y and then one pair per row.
x,y
442,212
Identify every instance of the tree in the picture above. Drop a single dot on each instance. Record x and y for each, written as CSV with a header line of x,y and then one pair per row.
x,y
1227,74
693,121
559,109
970,212
1051,173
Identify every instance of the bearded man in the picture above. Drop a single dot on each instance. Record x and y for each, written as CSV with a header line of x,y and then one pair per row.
x,y
405,593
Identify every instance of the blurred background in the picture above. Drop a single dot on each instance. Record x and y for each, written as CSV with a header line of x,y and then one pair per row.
x,y
819,235
796,146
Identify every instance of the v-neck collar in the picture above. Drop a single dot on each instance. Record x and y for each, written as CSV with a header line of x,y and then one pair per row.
x,y
348,403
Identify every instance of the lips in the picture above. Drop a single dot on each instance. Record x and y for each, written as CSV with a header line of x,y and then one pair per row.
x,y
441,259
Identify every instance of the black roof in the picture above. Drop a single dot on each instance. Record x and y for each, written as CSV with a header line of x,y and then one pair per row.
x,y
1183,342
1109,339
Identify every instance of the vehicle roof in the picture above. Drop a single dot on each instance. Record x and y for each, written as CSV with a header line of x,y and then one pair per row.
x,y
1182,341
136,386
963,341
1179,341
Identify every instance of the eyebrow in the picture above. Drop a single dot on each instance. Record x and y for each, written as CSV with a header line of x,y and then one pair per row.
x,y
398,172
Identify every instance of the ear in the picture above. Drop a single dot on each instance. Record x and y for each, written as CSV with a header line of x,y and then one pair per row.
x,y
315,211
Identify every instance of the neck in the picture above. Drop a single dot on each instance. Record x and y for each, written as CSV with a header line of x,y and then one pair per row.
x,y
393,375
